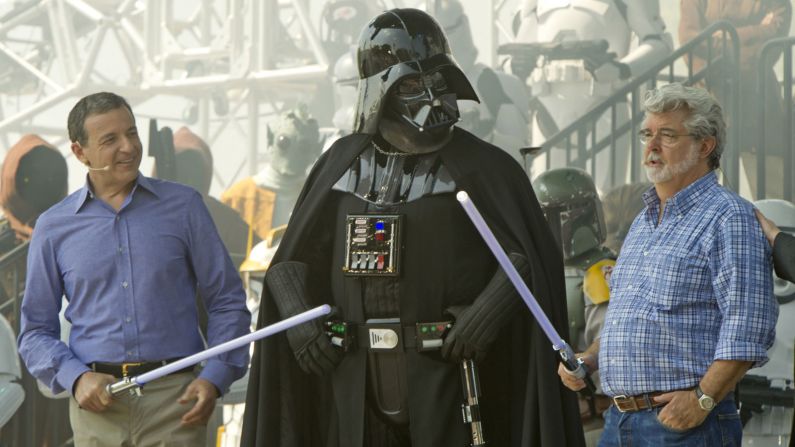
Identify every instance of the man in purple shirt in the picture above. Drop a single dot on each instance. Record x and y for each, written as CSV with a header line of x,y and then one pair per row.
x,y
129,253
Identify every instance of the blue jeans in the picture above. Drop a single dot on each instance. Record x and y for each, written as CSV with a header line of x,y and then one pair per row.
x,y
642,428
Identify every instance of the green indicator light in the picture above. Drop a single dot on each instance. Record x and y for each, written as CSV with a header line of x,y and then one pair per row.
x,y
424,329
433,328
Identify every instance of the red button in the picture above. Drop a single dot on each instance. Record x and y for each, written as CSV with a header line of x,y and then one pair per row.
x,y
380,264
379,236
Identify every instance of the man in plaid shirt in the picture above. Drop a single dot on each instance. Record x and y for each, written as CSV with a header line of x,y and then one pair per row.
x,y
692,305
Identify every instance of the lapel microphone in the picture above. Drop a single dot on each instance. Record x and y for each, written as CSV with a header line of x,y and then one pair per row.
x,y
106,168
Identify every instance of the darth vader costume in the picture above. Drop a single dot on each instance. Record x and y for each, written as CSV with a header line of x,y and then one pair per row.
x,y
378,234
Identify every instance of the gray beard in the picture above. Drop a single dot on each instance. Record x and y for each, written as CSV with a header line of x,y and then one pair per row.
x,y
667,172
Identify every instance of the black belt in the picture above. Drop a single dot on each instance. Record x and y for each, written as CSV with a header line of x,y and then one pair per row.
x,y
388,336
122,370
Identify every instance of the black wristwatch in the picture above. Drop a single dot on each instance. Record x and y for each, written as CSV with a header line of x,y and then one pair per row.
x,y
705,401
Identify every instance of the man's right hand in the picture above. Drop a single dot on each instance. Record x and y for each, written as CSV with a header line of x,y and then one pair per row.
x,y
91,393
572,382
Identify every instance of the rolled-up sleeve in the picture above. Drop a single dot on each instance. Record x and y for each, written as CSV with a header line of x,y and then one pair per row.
x,y
743,285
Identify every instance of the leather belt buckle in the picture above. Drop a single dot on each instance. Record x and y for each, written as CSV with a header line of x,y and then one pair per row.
x,y
126,366
621,400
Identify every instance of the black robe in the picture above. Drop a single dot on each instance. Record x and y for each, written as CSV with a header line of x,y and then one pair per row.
x,y
527,404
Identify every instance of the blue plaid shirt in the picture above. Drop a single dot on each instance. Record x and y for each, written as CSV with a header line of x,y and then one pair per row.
x,y
693,289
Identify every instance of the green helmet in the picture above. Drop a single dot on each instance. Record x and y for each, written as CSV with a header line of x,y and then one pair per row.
x,y
572,208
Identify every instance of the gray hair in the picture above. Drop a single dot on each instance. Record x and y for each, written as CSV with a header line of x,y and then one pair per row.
x,y
704,120
95,104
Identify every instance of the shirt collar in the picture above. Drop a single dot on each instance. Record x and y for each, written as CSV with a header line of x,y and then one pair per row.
x,y
682,201
87,192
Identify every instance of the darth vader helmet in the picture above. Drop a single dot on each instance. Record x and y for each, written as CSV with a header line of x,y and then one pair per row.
x,y
408,81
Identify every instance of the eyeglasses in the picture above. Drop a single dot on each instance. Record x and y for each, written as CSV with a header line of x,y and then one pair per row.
x,y
667,138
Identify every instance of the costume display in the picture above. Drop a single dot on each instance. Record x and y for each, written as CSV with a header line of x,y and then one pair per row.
x,y
265,200
377,232
194,167
501,117
34,177
565,86
572,207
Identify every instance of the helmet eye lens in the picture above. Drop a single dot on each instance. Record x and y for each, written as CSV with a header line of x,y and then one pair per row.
x,y
413,86
435,81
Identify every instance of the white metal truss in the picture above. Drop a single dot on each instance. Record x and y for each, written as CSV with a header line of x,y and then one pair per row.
x,y
226,63
223,67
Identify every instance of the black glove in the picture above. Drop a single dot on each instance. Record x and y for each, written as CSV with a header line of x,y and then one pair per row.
x,y
478,324
312,348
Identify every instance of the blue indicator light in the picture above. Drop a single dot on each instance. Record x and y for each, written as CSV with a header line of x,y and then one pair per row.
x,y
379,225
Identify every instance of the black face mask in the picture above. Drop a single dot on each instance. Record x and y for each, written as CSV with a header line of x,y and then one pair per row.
x,y
420,113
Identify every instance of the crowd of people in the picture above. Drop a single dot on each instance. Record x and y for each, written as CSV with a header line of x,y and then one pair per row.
x,y
668,307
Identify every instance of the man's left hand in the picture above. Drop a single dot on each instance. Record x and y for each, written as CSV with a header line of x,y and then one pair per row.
x,y
205,394
682,411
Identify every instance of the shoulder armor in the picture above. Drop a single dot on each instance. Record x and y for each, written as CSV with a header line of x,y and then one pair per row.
x,y
595,284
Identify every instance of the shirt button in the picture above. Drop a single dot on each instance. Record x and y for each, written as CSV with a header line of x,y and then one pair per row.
x,y
129,353
117,218
629,287
615,321
645,252
128,319
124,284
121,249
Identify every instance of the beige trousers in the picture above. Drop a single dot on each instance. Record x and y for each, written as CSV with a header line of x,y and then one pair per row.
x,y
149,420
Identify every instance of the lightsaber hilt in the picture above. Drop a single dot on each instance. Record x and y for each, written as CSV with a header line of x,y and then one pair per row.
x,y
570,361
576,367
470,409
133,384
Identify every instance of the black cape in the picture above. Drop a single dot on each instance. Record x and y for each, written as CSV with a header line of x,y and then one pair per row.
x,y
288,408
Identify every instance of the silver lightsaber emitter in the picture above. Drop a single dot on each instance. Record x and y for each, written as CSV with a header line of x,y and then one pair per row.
x,y
135,383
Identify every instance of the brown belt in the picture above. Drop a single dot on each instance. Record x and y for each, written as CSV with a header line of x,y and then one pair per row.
x,y
628,404
122,370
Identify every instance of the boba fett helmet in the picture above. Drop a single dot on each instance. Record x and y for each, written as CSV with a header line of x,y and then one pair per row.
x,y
408,81
572,208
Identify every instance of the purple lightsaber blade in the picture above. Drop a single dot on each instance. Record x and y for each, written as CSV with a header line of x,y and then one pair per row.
x,y
566,353
139,381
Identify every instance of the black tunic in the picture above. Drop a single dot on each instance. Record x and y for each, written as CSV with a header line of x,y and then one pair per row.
x,y
524,403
